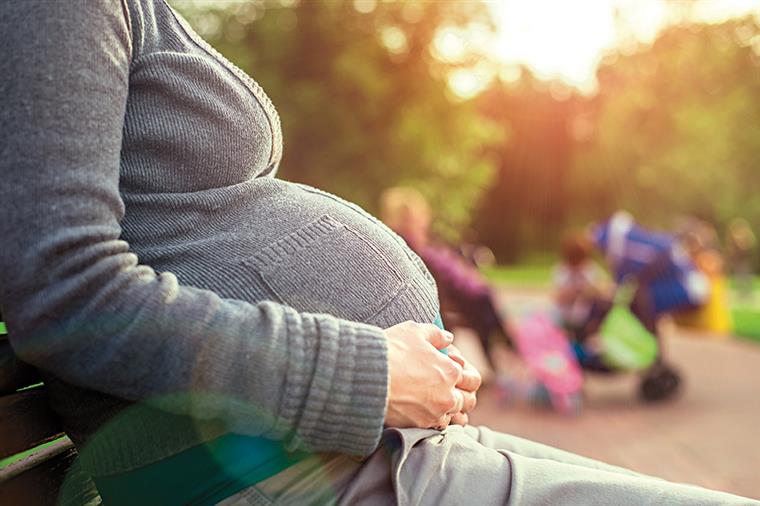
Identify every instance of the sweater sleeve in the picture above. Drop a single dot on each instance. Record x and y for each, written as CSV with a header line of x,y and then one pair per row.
x,y
80,305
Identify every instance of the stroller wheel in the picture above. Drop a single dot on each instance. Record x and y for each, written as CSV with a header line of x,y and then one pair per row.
x,y
660,383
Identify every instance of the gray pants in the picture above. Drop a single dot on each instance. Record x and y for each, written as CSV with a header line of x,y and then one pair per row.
x,y
468,465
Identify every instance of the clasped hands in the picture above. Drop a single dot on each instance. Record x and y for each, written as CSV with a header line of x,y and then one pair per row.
x,y
427,388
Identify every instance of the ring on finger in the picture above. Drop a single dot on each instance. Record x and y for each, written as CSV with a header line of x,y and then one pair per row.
x,y
459,405
445,421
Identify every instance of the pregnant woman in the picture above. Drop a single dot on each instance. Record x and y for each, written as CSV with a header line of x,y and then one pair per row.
x,y
209,333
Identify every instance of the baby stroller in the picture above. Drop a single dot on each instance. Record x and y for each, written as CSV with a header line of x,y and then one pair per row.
x,y
663,280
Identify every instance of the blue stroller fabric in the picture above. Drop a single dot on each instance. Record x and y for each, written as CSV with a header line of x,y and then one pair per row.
x,y
655,260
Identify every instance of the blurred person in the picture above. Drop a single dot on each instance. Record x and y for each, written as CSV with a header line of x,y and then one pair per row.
x,y
578,280
209,333
700,241
463,291
740,249
581,295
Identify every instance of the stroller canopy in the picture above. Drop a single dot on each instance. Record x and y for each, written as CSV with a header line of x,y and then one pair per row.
x,y
653,259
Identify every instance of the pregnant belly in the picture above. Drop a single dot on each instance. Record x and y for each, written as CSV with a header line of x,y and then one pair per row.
x,y
275,240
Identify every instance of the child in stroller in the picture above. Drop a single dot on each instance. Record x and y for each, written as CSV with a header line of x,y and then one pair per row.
x,y
665,280
582,297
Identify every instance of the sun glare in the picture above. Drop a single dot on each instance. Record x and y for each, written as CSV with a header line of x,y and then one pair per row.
x,y
558,39
562,39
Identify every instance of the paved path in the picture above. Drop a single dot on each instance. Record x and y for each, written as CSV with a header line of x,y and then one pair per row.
x,y
710,436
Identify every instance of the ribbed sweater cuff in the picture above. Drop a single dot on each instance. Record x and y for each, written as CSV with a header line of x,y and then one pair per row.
x,y
344,395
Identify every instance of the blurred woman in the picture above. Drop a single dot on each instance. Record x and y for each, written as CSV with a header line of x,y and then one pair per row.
x,y
464,293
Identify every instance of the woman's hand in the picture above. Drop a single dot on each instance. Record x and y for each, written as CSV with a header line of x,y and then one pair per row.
x,y
423,382
468,385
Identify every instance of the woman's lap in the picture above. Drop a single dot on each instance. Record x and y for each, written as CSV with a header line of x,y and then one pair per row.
x,y
467,465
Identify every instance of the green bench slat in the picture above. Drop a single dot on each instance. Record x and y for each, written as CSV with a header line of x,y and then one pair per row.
x,y
39,485
36,457
18,464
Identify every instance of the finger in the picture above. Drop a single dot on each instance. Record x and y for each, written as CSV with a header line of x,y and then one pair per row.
x,y
460,419
459,404
471,379
436,336
456,355
443,422
469,401
452,370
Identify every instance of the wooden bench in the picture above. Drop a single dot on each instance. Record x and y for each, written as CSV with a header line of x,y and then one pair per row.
x,y
35,453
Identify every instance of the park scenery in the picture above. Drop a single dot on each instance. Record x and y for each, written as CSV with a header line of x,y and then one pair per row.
x,y
581,180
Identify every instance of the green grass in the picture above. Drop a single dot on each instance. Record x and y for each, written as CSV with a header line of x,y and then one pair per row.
x,y
531,276
746,322
755,284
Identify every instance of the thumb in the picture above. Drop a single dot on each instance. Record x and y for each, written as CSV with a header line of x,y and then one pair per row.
x,y
437,337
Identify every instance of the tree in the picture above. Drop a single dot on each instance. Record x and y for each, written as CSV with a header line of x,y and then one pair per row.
x,y
677,128
526,207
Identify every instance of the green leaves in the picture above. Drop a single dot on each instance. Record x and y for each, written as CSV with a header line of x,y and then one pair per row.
x,y
678,126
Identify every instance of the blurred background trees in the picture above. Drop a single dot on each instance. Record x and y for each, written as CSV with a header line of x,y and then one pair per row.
x,y
374,94
677,127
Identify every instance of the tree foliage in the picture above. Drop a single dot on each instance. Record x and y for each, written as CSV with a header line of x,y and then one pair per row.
x,y
674,130
677,128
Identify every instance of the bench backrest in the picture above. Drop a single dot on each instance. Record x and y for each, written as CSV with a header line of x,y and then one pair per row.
x,y
35,453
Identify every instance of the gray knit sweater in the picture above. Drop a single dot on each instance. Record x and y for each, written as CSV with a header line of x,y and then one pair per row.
x,y
152,266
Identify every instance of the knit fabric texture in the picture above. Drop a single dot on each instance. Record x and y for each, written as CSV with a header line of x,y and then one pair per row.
x,y
167,285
